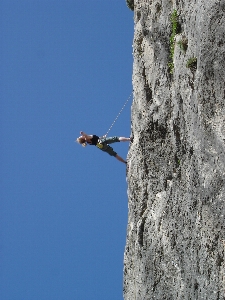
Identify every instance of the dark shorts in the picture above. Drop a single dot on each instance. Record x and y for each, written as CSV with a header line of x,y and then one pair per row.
x,y
105,147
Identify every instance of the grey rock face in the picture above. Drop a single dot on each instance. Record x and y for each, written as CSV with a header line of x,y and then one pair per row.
x,y
176,164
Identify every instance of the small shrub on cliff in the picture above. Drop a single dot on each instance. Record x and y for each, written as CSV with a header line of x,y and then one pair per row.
x,y
130,4
175,30
192,63
183,44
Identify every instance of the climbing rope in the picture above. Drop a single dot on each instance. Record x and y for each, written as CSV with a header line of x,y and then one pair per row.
x,y
118,115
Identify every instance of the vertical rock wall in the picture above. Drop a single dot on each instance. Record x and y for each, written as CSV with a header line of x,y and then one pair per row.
x,y
176,164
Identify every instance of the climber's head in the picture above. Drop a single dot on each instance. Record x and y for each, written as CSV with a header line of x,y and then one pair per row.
x,y
81,140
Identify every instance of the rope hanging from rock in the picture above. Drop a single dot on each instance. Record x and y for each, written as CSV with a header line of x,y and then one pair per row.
x,y
118,115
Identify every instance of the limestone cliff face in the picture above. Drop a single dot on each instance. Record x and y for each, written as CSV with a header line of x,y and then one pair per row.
x,y
176,164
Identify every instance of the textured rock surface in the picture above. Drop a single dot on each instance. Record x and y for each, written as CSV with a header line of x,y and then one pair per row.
x,y
176,176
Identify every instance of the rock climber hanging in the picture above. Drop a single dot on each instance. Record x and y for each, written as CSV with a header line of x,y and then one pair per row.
x,y
102,143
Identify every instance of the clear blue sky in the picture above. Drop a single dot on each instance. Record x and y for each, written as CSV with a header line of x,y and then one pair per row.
x,y
66,66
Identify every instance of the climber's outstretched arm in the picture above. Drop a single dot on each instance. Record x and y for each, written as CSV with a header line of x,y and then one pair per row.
x,y
124,139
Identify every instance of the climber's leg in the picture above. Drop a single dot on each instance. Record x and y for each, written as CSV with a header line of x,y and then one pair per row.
x,y
120,159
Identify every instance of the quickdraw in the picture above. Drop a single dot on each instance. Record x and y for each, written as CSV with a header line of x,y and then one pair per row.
x,y
99,145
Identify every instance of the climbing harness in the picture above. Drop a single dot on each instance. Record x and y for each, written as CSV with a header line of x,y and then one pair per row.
x,y
118,115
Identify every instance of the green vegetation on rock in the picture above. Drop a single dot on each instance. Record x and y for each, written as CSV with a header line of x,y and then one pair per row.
x,y
192,63
183,44
175,29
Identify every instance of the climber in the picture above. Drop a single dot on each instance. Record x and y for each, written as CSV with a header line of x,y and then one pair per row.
x,y
102,143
